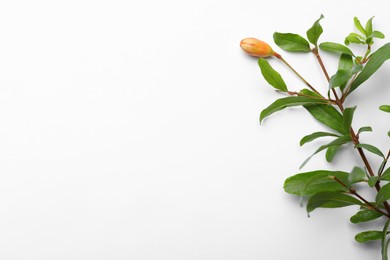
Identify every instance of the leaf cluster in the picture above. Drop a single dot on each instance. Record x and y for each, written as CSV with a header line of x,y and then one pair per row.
x,y
325,188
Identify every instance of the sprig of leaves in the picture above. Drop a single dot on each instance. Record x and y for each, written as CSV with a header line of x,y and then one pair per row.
x,y
325,188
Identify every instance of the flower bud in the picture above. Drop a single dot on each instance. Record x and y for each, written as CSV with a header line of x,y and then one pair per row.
x,y
256,48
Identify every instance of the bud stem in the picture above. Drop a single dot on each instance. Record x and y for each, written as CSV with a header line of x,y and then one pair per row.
x,y
296,73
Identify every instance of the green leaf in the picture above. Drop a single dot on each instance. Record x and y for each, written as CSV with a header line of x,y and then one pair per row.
x,y
359,26
335,47
386,175
371,149
383,194
385,108
357,68
365,215
309,183
368,236
331,152
348,117
282,103
354,38
378,34
271,75
327,115
345,62
315,31
357,175
291,42
375,61
337,142
340,78
364,129
369,27
330,200
313,136
372,181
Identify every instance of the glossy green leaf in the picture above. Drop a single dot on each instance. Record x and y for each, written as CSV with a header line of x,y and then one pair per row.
x,y
372,181
340,78
371,149
364,129
369,27
345,62
357,175
386,175
359,26
310,93
365,215
271,75
308,183
313,34
366,236
348,117
291,42
385,108
327,115
335,47
345,65
337,142
282,103
330,200
331,152
313,136
376,60
378,34
383,194
354,38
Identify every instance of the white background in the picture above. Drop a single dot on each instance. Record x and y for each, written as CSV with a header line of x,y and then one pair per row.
x,y
129,130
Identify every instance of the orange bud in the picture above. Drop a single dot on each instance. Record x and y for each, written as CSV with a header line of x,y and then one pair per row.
x,y
256,48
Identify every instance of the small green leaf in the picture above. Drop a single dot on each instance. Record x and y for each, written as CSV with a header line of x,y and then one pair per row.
x,y
330,200
385,108
371,149
369,27
315,31
364,129
345,62
271,75
313,136
383,194
337,142
282,103
378,34
357,68
327,115
386,175
372,181
366,236
335,47
308,183
357,175
376,60
359,26
348,117
364,215
340,78
291,42
331,152
354,38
